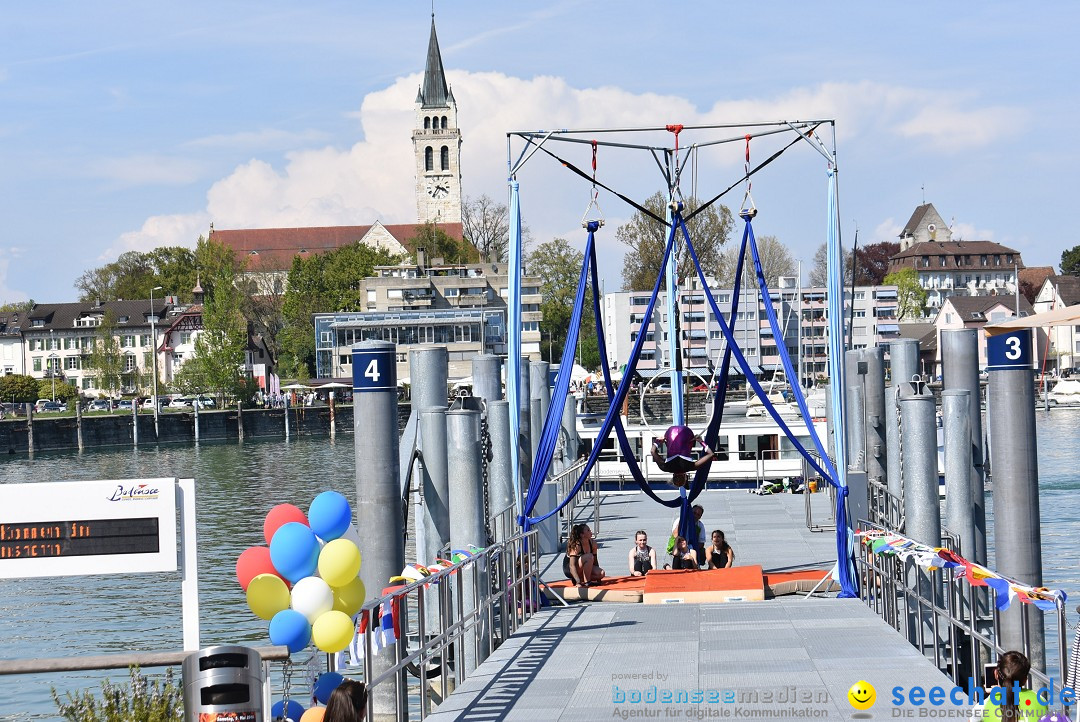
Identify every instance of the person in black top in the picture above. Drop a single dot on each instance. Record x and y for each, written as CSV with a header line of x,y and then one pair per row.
x,y
683,557
642,558
719,555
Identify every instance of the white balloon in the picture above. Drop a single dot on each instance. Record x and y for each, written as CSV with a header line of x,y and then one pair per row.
x,y
311,596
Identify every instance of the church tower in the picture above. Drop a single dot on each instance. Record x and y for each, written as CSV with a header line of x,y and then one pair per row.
x,y
437,144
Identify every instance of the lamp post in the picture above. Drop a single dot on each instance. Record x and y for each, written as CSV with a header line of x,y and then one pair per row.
x,y
153,355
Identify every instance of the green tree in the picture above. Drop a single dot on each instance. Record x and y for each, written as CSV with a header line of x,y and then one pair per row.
x,y
709,231
134,273
64,390
19,389
17,306
558,265
220,346
141,700
439,244
910,296
322,283
589,350
106,361
1070,261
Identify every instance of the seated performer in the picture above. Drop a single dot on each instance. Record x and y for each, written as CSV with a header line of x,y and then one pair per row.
x,y
678,460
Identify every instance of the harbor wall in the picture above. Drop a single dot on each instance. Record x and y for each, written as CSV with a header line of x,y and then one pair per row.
x,y
117,430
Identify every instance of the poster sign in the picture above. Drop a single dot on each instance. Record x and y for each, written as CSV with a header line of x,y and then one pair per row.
x,y
87,527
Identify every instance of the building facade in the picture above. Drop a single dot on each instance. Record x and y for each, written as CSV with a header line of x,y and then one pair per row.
x,y
801,314
463,307
976,312
1060,292
437,144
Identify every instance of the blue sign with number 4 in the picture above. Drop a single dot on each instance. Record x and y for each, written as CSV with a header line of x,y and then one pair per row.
x,y
1009,350
374,371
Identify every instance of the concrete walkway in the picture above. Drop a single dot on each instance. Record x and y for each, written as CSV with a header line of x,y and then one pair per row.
x,y
785,658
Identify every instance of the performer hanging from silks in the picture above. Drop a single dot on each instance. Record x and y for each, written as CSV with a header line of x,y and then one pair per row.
x,y
678,459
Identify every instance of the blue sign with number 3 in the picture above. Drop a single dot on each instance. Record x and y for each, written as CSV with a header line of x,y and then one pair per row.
x,y
1009,351
374,371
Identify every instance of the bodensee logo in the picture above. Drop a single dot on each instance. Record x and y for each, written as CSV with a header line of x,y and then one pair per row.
x,y
140,492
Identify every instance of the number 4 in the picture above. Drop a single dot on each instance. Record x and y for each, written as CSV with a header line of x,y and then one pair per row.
x,y
1014,350
372,371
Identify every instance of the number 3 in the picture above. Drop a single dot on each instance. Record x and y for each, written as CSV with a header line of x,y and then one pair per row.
x,y
1014,350
372,370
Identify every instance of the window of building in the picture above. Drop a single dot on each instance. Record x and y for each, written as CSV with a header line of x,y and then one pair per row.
x,y
444,122
129,362
444,158
123,319
1009,258
71,363
530,290
70,343
145,340
127,342
982,260
926,261
37,363
326,337
639,300
530,326
393,293
427,123
451,292
860,295
429,158
86,383
997,259
941,261
859,314
38,322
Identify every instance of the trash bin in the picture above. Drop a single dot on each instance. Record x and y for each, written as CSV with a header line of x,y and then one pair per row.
x,y
223,684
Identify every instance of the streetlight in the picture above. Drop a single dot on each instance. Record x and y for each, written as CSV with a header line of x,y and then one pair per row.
x,y
153,354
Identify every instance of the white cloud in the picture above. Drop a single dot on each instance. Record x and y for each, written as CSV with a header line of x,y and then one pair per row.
x,y
374,178
887,230
171,230
263,139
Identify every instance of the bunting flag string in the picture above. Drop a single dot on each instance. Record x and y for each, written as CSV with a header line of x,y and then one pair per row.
x,y
1005,590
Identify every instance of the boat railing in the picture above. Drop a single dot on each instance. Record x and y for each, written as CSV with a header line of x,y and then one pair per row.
x,y
948,619
448,633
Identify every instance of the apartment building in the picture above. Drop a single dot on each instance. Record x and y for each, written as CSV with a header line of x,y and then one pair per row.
x,y
463,307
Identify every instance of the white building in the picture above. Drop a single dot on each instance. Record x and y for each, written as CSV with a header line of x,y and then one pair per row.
x,y
1060,292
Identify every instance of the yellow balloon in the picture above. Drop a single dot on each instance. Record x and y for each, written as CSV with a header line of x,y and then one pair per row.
x,y
350,597
339,562
267,595
332,631
315,714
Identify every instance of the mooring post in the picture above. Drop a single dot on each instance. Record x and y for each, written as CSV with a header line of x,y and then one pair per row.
x,y
135,423
903,365
78,423
286,400
570,432
874,406
1014,460
428,371
959,516
855,416
922,506
487,377
960,370
197,424
239,419
378,490
333,421
30,429
500,469
540,388
467,524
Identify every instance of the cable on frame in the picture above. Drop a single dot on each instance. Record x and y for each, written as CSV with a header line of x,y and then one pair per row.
x,y
594,201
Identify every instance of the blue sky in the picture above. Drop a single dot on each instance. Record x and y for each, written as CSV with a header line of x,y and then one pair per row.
x,y
129,125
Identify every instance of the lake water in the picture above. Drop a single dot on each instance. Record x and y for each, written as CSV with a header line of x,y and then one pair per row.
x,y
235,487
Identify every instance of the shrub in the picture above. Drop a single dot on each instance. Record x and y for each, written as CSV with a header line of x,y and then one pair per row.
x,y
141,700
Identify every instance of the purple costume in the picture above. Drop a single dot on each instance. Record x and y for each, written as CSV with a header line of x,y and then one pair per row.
x,y
680,450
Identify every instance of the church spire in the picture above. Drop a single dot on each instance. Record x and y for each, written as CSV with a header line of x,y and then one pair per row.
x,y
434,92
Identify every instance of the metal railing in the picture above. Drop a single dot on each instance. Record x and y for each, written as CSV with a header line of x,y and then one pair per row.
x,y
885,508
944,616
504,581
589,494
808,510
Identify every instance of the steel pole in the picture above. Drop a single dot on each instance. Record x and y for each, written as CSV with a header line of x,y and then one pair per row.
x,y
540,388
855,414
153,356
378,487
467,523
903,365
874,406
1017,530
922,508
960,370
428,372
500,476
433,517
959,501
487,377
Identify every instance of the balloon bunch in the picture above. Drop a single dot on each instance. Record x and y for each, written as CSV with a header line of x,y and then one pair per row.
x,y
306,581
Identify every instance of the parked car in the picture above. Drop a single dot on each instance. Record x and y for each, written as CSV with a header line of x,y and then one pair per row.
x,y
99,405
124,405
52,407
40,403
148,403
180,403
205,402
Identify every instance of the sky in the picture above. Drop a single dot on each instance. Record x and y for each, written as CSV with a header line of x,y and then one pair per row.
x,y
127,126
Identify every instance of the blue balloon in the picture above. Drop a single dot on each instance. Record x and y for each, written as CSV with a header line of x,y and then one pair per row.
x,y
326,684
329,515
291,629
295,712
294,551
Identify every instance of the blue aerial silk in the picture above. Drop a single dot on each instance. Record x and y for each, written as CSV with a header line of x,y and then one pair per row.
x,y
513,351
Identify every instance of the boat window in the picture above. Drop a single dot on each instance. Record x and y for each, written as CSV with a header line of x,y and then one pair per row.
x,y
752,447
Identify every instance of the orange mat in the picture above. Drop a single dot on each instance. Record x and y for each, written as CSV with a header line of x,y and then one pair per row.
x,y
613,589
737,584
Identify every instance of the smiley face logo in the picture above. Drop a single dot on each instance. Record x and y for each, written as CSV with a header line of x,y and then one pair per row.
x,y
862,695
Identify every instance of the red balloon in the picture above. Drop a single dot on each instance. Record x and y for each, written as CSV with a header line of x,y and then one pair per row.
x,y
280,515
253,562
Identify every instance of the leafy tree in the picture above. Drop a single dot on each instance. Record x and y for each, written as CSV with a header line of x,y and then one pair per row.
x,y
440,244
910,296
219,348
64,390
487,226
646,238
262,300
19,389
106,361
589,350
776,261
558,265
1070,261
17,306
819,274
134,273
872,262
318,284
